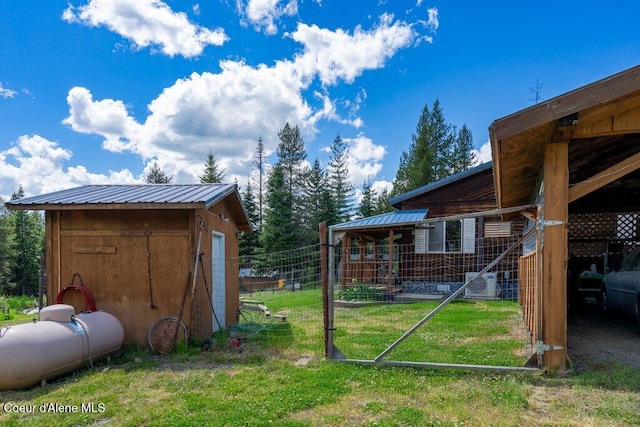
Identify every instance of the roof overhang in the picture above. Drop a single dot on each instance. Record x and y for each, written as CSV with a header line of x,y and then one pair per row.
x,y
603,108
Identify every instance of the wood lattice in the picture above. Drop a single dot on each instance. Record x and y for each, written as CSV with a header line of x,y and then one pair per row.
x,y
591,234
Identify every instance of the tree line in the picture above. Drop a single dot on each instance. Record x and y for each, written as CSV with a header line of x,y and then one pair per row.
x,y
285,201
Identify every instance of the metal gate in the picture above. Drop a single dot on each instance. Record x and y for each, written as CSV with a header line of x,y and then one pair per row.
x,y
454,292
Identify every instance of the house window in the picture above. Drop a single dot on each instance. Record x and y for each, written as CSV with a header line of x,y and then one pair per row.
x,y
446,237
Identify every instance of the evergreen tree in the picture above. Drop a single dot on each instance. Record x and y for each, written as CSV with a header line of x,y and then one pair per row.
x,y
250,242
278,230
260,163
368,201
291,153
157,175
435,152
338,181
463,157
7,254
317,202
212,172
28,231
382,203
439,141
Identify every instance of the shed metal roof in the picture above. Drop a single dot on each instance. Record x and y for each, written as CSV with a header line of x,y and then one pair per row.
x,y
128,196
386,220
397,200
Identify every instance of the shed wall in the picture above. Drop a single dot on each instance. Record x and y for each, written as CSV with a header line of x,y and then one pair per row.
x,y
109,249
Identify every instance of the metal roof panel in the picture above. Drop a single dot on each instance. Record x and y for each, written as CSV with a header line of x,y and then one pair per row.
x,y
205,194
396,218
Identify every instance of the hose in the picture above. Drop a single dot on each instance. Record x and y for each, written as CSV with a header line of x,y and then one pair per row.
x,y
86,334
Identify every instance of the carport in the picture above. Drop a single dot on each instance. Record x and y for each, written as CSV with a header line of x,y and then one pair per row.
x,y
577,157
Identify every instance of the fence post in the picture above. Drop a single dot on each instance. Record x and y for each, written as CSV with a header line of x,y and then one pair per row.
x,y
322,229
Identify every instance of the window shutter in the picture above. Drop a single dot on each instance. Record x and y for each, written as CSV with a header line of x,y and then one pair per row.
x,y
469,235
420,240
497,229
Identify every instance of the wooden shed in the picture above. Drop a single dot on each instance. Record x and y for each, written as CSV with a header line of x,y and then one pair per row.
x,y
135,246
577,156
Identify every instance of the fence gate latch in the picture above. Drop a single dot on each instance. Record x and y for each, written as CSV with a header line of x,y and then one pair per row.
x,y
542,347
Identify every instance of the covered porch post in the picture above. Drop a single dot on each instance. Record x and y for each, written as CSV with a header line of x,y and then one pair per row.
x,y
554,255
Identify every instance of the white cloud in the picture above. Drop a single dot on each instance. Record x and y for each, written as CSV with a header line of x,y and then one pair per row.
x,y
37,165
263,14
365,158
227,111
148,23
107,118
338,55
6,92
483,155
433,21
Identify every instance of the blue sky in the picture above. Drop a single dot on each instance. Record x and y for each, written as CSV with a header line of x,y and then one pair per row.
x,y
95,91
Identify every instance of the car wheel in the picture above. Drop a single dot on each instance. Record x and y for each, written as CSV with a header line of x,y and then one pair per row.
x,y
604,301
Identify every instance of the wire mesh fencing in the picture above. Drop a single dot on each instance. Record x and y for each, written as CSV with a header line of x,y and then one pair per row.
x,y
281,301
466,304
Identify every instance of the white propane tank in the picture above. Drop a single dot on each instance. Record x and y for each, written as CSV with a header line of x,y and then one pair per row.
x,y
58,343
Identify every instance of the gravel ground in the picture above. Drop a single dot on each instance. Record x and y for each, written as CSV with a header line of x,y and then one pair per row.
x,y
597,339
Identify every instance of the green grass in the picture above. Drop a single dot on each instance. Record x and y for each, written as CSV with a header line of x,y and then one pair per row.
x,y
263,385
11,309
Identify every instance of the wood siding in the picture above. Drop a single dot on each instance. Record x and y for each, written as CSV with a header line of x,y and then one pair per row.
x,y
109,249
472,194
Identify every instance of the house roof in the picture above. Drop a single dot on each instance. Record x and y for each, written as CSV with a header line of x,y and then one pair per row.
x,y
140,196
397,200
593,117
386,221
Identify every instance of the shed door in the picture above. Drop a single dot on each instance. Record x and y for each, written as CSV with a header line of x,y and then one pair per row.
x,y
218,293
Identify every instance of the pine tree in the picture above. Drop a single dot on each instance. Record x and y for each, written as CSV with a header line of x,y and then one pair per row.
x,y
260,163
368,201
382,203
157,175
28,231
250,242
7,254
212,172
435,152
463,157
291,153
440,139
317,202
278,231
338,181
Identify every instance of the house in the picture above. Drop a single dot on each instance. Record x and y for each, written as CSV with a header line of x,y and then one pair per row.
x,y
577,156
134,247
437,238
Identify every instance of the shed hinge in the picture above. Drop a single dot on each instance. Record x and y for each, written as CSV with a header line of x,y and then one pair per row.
x,y
541,347
547,223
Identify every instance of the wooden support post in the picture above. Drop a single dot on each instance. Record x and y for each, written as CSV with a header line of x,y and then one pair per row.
x,y
554,253
390,262
346,258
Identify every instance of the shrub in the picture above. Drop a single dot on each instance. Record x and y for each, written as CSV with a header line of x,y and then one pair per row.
x,y
362,293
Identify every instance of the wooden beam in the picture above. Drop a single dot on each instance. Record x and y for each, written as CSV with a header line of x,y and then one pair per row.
x,y
605,177
554,254
598,93
390,261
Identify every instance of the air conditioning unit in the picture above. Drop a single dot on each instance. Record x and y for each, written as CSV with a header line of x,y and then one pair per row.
x,y
483,286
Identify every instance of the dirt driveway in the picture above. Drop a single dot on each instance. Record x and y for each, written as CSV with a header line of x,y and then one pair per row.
x,y
596,339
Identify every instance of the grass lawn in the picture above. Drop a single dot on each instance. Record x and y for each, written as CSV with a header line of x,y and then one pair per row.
x,y
265,384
